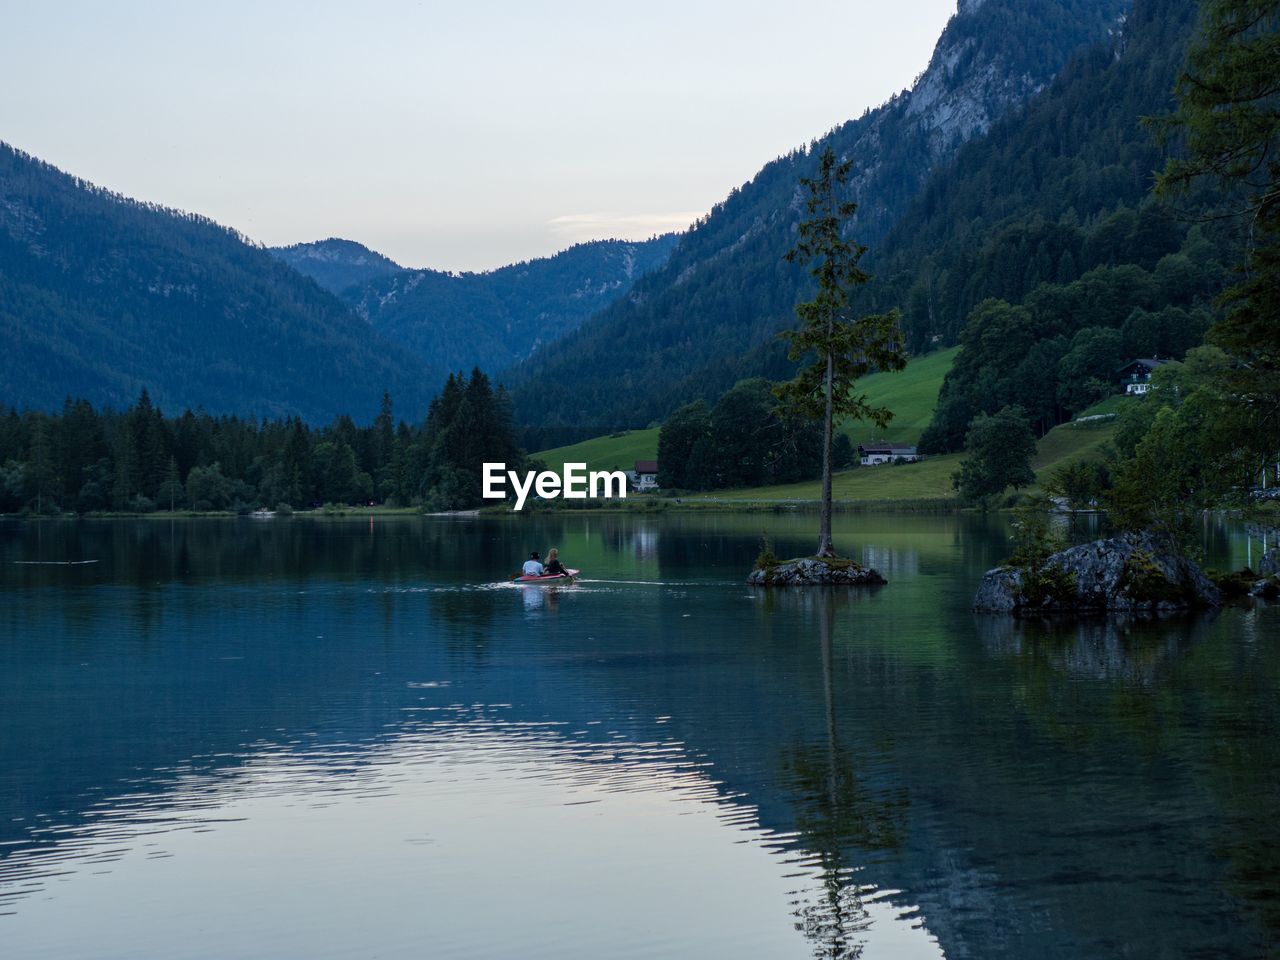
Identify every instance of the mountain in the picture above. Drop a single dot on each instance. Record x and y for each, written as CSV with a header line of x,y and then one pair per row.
x,y
337,264
725,290
1010,201
454,321
102,296
1042,251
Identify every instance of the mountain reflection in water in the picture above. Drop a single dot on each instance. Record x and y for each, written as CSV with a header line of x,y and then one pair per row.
x,y
333,738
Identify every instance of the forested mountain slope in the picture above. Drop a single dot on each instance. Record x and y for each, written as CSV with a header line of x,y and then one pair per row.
x,y
337,264
726,290
455,321
101,296
1016,206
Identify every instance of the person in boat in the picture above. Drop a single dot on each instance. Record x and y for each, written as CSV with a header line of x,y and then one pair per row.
x,y
533,566
553,565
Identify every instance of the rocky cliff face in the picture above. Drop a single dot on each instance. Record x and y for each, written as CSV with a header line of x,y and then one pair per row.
x,y
1141,574
723,294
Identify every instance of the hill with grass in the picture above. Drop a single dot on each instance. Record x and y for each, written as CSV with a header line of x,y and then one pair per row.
x,y
930,478
911,395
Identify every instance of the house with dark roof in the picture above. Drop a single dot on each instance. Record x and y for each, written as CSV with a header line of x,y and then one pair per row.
x,y
1135,376
871,454
645,475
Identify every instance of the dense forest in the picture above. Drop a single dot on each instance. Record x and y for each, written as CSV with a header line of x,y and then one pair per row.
x,y
745,440
1043,251
1040,249
87,460
708,317
494,319
102,296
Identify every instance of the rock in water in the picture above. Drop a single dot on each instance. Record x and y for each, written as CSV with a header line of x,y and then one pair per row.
x,y
1270,563
1135,573
815,571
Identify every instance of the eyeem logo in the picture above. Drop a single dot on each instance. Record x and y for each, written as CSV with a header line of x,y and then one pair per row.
x,y
573,486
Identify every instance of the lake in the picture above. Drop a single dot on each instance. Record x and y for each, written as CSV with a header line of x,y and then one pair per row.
x,y
350,738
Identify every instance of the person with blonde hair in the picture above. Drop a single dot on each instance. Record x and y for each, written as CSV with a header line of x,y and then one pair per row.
x,y
553,564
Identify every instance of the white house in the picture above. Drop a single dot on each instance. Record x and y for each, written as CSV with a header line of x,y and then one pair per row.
x,y
1135,376
645,475
873,453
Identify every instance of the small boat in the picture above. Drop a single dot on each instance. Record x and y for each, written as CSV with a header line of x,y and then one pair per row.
x,y
548,577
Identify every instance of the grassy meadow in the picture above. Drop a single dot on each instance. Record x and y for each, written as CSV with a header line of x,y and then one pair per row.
x,y
912,395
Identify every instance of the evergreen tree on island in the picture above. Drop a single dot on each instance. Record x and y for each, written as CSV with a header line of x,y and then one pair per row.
x,y
844,349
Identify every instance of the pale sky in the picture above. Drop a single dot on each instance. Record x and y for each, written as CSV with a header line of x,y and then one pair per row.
x,y
459,135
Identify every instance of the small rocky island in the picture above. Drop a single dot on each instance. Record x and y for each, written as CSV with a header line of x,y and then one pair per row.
x,y
1134,573
807,571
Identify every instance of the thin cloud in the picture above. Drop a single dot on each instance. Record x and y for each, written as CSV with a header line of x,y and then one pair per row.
x,y
624,226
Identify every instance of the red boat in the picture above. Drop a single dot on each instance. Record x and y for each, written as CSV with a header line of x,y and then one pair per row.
x,y
548,577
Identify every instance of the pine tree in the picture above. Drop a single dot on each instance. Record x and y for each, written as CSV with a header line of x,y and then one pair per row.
x,y
1228,116
846,349
40,466
171,487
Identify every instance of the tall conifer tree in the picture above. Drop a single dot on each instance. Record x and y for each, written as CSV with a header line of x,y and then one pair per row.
x,y
844,349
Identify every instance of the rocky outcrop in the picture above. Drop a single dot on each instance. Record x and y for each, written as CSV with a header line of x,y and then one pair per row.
x,y
1269,565
810,571
1267,588
1133,573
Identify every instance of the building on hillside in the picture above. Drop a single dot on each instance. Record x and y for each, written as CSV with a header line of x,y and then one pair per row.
x,y
1135,376
645,475
870,454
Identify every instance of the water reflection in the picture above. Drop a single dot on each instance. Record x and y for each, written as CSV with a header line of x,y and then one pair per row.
x,y
1133,649
836,811
371,720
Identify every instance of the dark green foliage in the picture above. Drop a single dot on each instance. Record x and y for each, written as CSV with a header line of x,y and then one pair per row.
x,y
999,448
744,441
837,349
1035,540
1227,115
469,425
1066,183
1141,579
766,559
681,432
1086,373
138,460
1187,449
101,295
843,455
709,316
1080,483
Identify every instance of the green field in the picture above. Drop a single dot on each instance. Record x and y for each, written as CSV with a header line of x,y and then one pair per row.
x,y
1072,441
605,453
930,479
911,395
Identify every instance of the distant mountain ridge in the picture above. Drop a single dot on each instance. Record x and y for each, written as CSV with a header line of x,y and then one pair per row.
x,y
337,264
495,319
102,296
725,291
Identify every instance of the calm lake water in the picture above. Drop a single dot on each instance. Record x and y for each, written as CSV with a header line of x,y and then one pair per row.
x,y
345,738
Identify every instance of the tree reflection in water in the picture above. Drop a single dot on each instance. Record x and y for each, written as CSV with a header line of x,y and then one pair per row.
x,y
837,812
